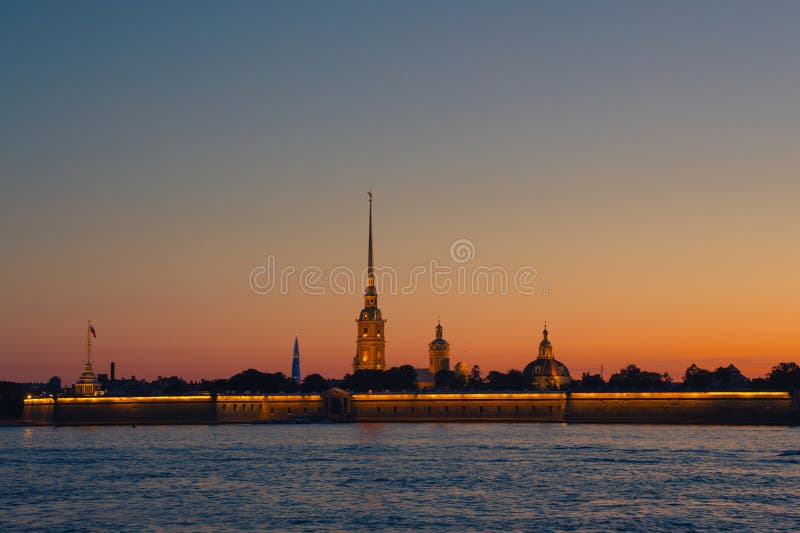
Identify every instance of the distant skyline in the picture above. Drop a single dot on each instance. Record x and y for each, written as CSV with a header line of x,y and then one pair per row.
x,y
642,158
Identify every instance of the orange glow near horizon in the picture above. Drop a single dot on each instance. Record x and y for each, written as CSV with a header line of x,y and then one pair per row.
x,y
647,170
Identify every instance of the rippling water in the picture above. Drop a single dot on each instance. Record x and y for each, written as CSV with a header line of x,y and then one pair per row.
x,y
400,477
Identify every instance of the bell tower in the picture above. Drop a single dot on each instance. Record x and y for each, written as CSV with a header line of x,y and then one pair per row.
x,y
438,352
370,334
545,348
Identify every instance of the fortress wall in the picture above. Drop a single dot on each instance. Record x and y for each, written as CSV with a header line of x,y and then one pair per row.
x,y
683,407
422,407
103,410
38,411
275,408
687,407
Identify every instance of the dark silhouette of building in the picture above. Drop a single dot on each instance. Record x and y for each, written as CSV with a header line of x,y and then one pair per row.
x,y
296,361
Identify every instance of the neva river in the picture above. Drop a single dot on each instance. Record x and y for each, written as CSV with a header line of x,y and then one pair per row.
x,y
435,477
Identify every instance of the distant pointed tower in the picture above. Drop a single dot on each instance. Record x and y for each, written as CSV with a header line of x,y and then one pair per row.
x,y
370,340
296,361
438,352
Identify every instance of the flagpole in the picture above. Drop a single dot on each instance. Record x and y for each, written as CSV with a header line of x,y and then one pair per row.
x,y
89,343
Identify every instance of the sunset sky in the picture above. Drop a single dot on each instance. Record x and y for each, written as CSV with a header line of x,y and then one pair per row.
x,y
642,158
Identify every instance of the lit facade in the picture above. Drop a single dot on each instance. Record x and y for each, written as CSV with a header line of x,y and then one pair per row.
x,y
87,384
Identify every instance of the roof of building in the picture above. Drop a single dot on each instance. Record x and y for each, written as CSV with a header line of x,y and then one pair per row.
x,y
546,367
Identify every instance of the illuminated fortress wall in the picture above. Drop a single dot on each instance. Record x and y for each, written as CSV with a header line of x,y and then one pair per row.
x,y
683,407
106,410
101,410
338,405
272,408
499,407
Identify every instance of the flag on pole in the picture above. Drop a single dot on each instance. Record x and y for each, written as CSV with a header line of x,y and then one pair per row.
x,y
91,328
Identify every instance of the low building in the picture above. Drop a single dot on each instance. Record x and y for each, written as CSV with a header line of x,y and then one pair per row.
x,y
88,384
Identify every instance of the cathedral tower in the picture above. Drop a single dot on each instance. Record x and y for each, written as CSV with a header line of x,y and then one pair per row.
x,y
370,340
438,353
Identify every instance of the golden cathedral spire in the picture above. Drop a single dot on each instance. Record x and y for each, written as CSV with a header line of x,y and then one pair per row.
x,y
370,340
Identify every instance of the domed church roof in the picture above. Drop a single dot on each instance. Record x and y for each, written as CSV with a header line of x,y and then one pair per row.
x,y
546,368
546,365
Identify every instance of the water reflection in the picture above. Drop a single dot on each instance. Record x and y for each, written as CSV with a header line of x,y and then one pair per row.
x,y
400,477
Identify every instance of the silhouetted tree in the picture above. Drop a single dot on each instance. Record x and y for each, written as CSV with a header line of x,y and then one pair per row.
x,y
496,380
445,379
729,378
314,383
513,380
697,378
54,385
475,381
460,382
723,378
516,380
591,382
400,378
633,378
216,385
364,380
255,381
784,376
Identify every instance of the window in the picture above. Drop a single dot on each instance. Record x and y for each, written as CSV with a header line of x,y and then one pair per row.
x,y
394,408
429,409
411,408
446,409
289,410
533,408
365,332
272,410
516,409
550,408
305,410
234,407
223,406
499,408
481,408
463,408
378,409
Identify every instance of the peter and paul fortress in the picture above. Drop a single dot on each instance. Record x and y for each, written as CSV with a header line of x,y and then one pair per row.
x,y
550,403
